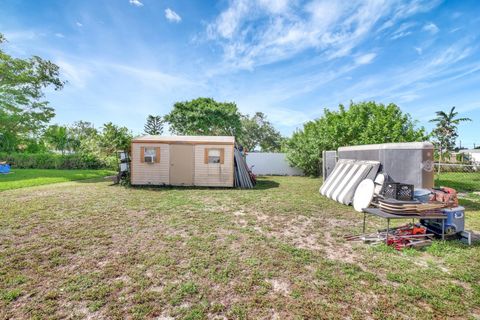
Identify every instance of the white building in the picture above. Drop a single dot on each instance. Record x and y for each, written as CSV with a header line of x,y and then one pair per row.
x,y
473,155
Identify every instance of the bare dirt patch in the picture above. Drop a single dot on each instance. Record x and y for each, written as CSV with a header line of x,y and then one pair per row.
x,y
280,286
335,250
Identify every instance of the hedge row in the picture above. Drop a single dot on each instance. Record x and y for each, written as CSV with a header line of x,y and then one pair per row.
x,y
56,161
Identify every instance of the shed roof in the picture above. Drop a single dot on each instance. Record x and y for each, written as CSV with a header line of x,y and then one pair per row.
x,y
187,139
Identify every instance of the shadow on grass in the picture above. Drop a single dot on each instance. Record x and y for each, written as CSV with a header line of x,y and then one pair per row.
x,y
262,184
93,180
470,204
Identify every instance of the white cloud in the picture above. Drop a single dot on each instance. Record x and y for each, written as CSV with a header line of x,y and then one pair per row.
x,y
229,20
254,33
430,27
79,24
136,3
275,6
365,58
150,78
404,83
403,30
76,73
418,50
172,16
407,97
79,72
455,29
20,35
59,35
21,41
288,117
407,9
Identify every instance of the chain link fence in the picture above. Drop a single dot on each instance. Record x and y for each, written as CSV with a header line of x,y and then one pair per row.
x,y
462,177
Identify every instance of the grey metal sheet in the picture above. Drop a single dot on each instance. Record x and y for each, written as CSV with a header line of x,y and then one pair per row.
x,y
404,162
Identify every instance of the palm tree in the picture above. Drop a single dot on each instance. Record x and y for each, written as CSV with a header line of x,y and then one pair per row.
x,y
58,137
446,130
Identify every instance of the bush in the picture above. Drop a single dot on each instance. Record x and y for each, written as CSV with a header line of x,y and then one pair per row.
x,y
55,161
361,123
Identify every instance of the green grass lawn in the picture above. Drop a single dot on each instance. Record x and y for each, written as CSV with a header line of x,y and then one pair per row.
x,y
20,178
93,250
461,181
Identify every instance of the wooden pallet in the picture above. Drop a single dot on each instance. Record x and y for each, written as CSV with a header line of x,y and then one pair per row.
x,y
409,207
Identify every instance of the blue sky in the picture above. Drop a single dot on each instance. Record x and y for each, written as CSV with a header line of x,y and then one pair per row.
x,y
125,59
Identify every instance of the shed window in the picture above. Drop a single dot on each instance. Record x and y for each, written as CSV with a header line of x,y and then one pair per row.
x,y
150,155
213,156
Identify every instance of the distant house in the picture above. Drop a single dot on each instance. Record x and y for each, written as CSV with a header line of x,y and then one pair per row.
x,y
473,155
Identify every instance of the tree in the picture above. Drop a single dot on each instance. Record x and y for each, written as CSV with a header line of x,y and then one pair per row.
x,y
114,138
258,132
204,116
57,137
361,123
23,109
446,131
154,125
80,132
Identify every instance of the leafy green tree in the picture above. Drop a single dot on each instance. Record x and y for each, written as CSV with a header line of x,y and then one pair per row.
x,y
204,116
80,132
83,129
23,109
446,132
257,131
33,145
114,138
154,125
361,123
57,137
304,149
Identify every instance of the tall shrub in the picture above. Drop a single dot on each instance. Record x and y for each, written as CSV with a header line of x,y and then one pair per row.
x,y
361,123
55,161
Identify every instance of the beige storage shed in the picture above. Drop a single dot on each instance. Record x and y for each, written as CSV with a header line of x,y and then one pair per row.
x,y
183,161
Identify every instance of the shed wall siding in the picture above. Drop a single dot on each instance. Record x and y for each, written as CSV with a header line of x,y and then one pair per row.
x,y
213,174
150,173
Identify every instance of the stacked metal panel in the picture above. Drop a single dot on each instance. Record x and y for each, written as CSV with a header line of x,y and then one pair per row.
x,y
345,177
242,177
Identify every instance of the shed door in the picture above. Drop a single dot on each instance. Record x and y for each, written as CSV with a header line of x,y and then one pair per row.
x,y
181,164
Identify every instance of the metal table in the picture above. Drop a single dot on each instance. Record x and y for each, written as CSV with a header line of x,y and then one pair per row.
x,y
385,215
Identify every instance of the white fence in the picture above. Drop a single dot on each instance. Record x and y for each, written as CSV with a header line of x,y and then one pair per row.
x,y
271,164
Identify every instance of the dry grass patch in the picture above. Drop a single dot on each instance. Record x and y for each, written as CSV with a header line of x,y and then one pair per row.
x,y
92,250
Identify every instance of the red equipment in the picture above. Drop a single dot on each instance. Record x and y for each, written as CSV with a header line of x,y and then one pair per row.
x,y
445,195
408,236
